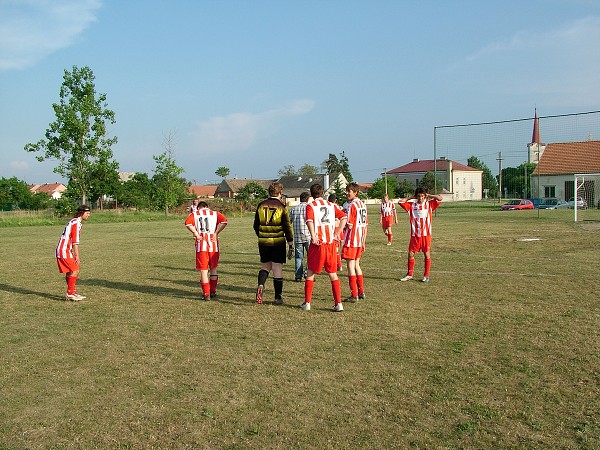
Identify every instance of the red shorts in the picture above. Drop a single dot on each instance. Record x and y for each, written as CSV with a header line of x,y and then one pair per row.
x,y
321,257
419,244
386,222
352,253
66,265
207,260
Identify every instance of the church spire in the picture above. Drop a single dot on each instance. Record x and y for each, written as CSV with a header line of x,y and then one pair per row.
x,y
535,138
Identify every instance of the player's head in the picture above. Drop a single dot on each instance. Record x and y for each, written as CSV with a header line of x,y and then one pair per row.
x,y
352,190
332,198
420,194
195,202
316,191
385,197
304,197
202,204
275,189
83,211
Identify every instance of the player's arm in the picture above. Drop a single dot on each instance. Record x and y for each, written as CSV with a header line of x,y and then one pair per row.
x,y
434,197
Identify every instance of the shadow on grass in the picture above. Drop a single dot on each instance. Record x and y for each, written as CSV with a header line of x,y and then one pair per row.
x,y
139,288
18,290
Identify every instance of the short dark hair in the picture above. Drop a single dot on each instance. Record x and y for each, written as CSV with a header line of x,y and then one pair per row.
x,y
316,191
420,190
332,198
203,204
304,197
275,189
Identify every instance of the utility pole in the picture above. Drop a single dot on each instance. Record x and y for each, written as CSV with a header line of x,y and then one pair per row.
x,y
499,159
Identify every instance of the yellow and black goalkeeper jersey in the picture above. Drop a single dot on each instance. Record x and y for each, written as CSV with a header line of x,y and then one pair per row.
x,y
272,223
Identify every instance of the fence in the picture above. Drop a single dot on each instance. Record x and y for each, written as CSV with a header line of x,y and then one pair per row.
x,y
502,147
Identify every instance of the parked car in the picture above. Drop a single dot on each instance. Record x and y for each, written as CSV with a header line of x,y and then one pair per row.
x,y
581,203
536,202
517,204
553,203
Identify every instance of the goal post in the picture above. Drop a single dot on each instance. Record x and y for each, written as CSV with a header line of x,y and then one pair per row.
x,y
587,188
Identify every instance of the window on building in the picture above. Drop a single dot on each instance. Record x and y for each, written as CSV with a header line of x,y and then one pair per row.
x,y
549,191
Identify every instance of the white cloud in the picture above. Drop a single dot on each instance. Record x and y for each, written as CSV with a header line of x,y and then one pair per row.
x,y
32,29
19,165
239,131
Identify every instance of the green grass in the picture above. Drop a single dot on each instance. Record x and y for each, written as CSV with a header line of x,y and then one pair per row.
x,y
500,350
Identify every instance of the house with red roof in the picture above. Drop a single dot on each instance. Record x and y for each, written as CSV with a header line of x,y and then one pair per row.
x,y
557,164
54,190
203,191
461,181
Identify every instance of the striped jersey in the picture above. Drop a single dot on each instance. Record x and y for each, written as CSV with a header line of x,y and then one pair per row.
x,y
206,220
68,238
355,234
420,215
323,215
387,209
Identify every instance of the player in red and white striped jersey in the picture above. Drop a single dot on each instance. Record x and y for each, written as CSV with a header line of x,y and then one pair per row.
x,y
420,208
206,224
322,251
355,237
67,252
387,216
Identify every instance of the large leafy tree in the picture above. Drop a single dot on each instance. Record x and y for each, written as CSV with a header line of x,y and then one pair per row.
x,y
333,164
308,169
431,183
251,194
287,170
488,181
138,192
515,180
378,188
78,140
15,194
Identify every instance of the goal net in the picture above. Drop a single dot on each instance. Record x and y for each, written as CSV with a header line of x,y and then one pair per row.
x,y
586,201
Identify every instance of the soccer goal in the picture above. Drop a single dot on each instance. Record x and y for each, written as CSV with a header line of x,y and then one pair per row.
x,y
587,195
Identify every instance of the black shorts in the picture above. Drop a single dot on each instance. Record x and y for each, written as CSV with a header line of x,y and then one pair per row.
x,y
272,253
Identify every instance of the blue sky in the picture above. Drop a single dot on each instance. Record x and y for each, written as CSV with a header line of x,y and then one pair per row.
x,y
257,85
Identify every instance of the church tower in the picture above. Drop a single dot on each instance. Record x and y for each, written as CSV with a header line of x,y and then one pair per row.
x,y
536,147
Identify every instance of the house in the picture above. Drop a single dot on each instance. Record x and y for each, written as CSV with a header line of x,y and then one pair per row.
x,y
294,185
558,164
54,190
231,186
463,182
203,191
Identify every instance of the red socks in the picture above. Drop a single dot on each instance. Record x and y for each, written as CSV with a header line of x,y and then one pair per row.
x,y
411,266
308,289
427,267
71,282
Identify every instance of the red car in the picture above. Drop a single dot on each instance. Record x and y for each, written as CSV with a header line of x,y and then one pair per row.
x,y
517,204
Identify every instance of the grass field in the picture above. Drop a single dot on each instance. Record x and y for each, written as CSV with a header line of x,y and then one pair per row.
x,y
500,350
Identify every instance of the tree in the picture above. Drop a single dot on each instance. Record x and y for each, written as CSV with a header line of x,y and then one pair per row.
x,y
334,165
308,169
404,189
378,188
488,181
222,172
138,192
171,189
78,138
431,184
15,194
515,180
287,171
251,194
